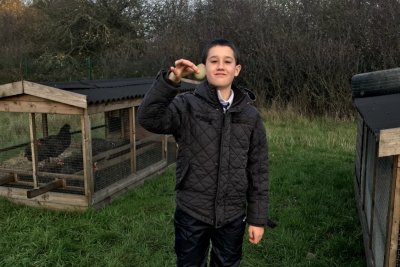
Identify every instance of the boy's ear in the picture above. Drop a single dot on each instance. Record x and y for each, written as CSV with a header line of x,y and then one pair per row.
x,y
237,69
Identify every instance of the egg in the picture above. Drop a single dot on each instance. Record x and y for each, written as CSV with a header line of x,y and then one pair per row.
x,y
202,72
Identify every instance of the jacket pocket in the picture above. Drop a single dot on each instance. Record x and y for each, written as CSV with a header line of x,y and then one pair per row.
x,y
181,173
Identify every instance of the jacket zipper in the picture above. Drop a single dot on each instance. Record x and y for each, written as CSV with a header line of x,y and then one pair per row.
x,y
219,166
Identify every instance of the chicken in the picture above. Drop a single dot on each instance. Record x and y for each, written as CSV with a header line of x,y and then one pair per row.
x,y
51,146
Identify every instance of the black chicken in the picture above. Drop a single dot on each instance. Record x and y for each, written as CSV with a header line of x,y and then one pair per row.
x,y
51,146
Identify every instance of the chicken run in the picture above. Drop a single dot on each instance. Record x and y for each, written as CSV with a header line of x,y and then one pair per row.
x,y
75,145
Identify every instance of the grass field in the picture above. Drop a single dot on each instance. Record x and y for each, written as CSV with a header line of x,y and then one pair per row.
x,y
311,200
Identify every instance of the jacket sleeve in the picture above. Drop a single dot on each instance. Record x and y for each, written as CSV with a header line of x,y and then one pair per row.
x,y
161,110
258,171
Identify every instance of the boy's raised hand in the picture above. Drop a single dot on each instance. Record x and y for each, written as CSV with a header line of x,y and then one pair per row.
x,y
183,67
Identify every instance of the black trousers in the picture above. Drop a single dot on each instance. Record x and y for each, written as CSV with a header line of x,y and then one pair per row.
x,y
192,242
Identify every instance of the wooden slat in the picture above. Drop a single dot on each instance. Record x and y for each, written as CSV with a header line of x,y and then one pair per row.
x,y
87,155
55,94
52,200
32,130
24,103
393,230
44,174
132,127
363,220
374,177
11,89
389,142
364,165
44,189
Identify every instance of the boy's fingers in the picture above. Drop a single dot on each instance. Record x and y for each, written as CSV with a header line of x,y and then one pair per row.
x,y
185,64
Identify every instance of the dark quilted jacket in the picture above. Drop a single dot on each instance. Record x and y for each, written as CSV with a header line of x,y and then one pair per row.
x,y
222,164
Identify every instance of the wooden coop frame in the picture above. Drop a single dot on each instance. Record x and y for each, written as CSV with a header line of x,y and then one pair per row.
x,y
376,96
117,99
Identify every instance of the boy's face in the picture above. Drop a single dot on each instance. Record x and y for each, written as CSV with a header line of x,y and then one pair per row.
x,y
221,67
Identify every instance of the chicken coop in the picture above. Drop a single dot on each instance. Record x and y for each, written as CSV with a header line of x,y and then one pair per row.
x,y
75,145
376,96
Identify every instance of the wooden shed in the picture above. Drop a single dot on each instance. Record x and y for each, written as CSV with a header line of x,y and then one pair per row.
x,y
376,96
75,145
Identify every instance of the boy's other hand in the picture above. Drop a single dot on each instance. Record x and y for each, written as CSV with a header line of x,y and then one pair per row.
x,y
255,234
183,67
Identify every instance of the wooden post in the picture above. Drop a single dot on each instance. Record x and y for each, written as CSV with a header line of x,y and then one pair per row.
x,y
372,218
87,157
394,216
132,127
32,131
364,166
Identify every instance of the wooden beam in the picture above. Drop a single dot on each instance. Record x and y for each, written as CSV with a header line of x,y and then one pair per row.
x,y
44,189
364,165
55,94
132,127
374,177
393,230
51,200
11,89
32,130
389,142
27,103
87,156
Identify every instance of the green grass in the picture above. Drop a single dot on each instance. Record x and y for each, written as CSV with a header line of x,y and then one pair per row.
x,y
311,200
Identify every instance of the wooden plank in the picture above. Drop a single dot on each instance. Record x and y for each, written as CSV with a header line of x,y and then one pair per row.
x,y
115,105
55,94
24,104
364,226
364,166
393,230
372,218
389,142
132,127
44,189
51,200
11,89
44,174
32,131
87,156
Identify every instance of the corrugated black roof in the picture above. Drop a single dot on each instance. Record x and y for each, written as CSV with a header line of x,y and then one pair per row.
x,y
376,96
380,112
101,91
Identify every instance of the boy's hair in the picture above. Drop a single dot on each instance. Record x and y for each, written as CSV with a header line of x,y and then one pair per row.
x,y
221,42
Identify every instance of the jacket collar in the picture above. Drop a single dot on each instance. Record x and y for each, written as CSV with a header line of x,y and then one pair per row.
x,y
242,96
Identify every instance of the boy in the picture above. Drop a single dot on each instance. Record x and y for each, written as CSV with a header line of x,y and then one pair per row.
x,y
222,163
